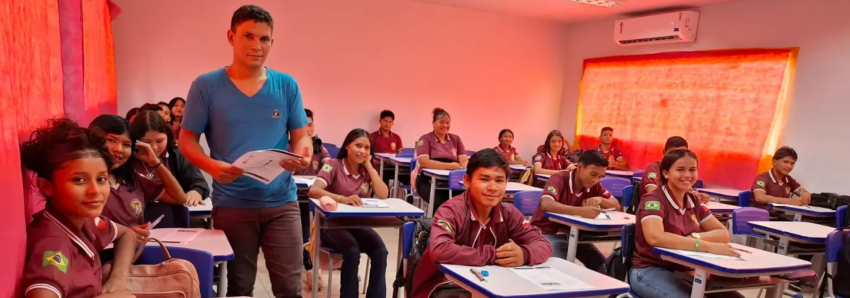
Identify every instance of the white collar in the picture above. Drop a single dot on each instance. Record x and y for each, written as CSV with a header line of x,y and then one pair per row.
x,y
345,168
673,202
448,138
770,172
570,183
73,236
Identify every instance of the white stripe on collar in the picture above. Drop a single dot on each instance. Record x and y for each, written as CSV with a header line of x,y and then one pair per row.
x,y
345,168
770,172
571,186
73,236
672,202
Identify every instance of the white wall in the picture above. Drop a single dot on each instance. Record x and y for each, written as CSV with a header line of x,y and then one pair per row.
x,y
353,58
818,126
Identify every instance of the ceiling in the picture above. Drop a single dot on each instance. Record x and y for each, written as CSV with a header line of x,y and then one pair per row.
x,y
568,11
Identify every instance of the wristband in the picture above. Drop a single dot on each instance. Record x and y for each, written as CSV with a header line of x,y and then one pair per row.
x,y
696,248
157,165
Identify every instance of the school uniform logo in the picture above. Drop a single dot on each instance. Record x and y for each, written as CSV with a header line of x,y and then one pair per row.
x,y
787,190
652,205
760,183
315,164
694,218
420,143
552,190
538,158
327,168
652,175
276,114
55,258
525,223
392,145
364,188
136,205
445,225
454,151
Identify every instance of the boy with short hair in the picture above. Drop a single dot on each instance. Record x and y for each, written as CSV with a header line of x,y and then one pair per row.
x,y
383,139
776,185
614,155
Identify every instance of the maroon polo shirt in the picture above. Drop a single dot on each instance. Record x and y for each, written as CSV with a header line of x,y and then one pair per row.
x,y
549,162
316,163
429,145
562,188
510,155
613,151
682,221
340,180
652,176
64,259
127,207
146,172
382,144
767,183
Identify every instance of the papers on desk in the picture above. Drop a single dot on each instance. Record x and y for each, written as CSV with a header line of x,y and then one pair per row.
x,y
706,255
264,165
374,203
181,236
550,279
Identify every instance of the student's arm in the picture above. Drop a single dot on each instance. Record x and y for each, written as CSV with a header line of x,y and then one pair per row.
x,y
760,194
379,188
549,203
621,164
125,248
519,161
173,191
296,123
651,213
599,194
798,190
535,248
461,154
538,169
443,245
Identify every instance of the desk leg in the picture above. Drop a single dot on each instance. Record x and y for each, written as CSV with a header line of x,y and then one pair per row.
x,y
433,199
395,176
700,279
317,230
221,289
775,291
798,216
381,160
783,246
572,245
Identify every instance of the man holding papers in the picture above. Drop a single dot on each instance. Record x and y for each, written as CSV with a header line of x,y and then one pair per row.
x,y
578,193
246,107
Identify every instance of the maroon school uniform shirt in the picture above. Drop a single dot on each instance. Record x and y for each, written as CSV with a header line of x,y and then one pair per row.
x,y
146,172
342,181
382,144
562,188
458,238
613,151
429,145
64,259
549,162
316,163
127,207
682,221
651,176
767,183
509,155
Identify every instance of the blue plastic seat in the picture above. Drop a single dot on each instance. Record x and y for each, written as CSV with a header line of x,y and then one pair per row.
x,y
615,185
742,217
527,201
628,192
834,245
841,217
456,181
744,198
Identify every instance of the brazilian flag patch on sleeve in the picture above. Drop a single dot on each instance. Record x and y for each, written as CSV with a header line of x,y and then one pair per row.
x,y
651,175
552,190
55,258
445,225
420,143
652,205
327,168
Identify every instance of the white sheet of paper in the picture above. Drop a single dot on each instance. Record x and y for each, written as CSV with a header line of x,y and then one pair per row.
x,y
707,255
263,165
374,203
550,279
603,216
181,236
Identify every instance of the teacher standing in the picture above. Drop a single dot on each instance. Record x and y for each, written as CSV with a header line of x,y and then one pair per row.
x,y
244,107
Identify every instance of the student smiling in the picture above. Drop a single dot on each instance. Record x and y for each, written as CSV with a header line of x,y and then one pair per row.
x,y
509,153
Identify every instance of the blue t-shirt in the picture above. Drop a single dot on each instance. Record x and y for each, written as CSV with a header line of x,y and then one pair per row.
x,y
235,124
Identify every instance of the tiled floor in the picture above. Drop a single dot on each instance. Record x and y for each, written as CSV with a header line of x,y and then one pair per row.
x,y
263,286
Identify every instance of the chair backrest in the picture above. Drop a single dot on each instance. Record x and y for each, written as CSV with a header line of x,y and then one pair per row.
x,y
615,185
834,244
456,179
841,217
332,151
627,240
469,153
741,218
699,184
407,241
527,201
627,196
406,152
202,260
744,198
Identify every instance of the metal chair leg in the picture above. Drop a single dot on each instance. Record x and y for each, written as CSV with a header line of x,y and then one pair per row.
x,y
366,278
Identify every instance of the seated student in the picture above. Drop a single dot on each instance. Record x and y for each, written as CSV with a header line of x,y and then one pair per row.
x,y
506,138
776,185
176,106
131,114
166,111
320,154
158,109
576,192
439,150
550,159
651,177
347,179
130,192
661,222
477,229
615,157
64,239
385,140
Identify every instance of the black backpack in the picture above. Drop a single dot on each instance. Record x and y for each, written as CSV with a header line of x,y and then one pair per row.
x,y
633,205
618,264
829,200
421,236
839,285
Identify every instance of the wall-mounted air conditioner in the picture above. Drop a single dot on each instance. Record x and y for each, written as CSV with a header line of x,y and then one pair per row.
x,y
680,26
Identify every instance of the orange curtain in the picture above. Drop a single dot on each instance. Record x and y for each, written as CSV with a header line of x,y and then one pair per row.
x,y
728,104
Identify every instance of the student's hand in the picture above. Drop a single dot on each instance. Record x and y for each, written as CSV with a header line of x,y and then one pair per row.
x,y
297,164
351,200
806,197
611,160
571,167
456,166
525,163
120,294
145,153
592,202
703,197
368,162
509,255
225,172
193,198
721,249
115,284
795,202
589,212
142,232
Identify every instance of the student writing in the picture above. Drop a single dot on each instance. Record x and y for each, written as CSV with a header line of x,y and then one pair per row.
x,y
776,185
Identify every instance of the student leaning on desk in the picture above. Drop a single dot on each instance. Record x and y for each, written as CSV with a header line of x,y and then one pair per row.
x,y
661,222
777,185
477,229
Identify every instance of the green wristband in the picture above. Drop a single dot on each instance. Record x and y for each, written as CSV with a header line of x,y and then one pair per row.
x,y
696,248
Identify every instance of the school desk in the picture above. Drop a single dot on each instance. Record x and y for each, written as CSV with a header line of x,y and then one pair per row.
x,y
516,172
399,163
435,175
621,174
723,194
577,224
382,158
212,241
350,217
799,211
504,282
755,270
723,212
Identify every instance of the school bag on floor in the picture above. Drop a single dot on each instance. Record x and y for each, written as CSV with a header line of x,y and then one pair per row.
x,y
633,205
840,284
829,200
421,237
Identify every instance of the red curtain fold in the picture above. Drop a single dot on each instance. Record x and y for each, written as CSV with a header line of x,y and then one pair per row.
x,y
723,102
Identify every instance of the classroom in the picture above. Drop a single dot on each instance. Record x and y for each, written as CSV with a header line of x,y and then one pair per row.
x,y
565,129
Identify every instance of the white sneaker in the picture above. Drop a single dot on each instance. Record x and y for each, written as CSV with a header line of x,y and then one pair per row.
x,y
307,279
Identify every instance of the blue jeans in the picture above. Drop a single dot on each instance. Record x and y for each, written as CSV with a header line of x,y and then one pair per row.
x,y
652,282
587,253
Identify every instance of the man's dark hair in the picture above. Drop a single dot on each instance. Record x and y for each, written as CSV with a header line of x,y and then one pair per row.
x,y
309,113
784,152
250,13
593,158
387,113
607,128
150,107
675,142
487,158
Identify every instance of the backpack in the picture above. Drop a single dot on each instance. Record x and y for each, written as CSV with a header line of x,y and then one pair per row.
x,y
839,286
829,200
421,237
618,264
633,205
172,278
527,177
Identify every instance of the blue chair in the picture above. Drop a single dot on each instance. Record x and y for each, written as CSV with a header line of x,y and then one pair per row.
x,y
627,238
637,174
527,201
332,151
744,198
406,245
834,245
699,184
456,181
628,192
841,217
202,260
741,219
406,152
469,153
615,185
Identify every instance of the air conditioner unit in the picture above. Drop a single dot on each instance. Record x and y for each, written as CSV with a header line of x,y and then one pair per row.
x,y
680,26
